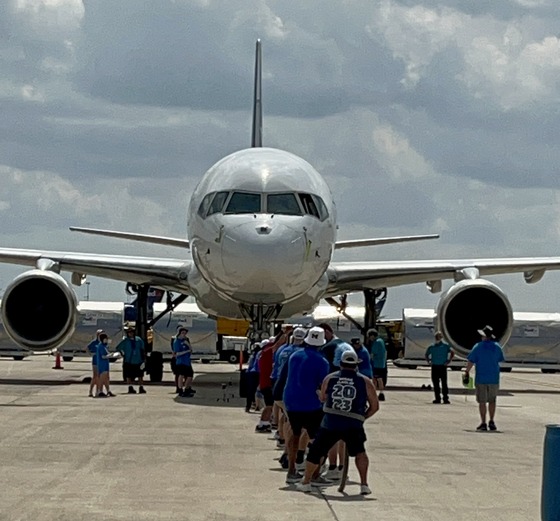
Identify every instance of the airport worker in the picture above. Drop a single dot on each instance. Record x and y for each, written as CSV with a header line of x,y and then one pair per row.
x,y
182,350
102,362
438,356
133,351
349,400
92,349
364,366
486,357
378,361
307,369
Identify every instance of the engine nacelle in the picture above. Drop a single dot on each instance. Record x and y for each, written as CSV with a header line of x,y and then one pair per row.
x,y
468,306
39,310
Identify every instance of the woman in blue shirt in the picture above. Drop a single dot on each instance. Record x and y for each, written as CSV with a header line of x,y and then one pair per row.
x,y
92,349
103,366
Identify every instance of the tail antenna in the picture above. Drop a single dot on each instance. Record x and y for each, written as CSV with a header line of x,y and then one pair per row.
x,y
256,137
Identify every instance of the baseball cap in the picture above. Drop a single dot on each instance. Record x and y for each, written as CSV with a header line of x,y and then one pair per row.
x,y
355,340
486,331
315,337
349,358
372,331
299,333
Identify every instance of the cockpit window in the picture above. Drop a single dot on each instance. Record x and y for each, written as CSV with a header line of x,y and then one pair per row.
x,y
242,202
218,203
322,207
314,205
284,204
205,204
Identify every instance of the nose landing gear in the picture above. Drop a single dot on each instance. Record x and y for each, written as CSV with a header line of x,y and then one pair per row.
x,y
262,317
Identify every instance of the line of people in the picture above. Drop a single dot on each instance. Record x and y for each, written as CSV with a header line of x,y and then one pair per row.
x,y
319,390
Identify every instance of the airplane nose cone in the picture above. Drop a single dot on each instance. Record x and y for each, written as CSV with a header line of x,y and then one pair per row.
x,y
263,261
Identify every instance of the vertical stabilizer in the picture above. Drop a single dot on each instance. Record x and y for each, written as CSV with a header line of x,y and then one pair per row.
x,y
256,137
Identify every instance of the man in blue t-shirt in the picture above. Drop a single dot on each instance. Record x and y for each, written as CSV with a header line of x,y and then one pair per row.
x,y
307,369
378,353
364,366
132,349
438,355
486,357
182,350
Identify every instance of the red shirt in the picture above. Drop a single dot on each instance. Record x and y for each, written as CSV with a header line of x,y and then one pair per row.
x,y
265,366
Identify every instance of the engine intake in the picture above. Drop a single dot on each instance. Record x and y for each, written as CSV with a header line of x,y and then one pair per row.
x,y
467,307
39,310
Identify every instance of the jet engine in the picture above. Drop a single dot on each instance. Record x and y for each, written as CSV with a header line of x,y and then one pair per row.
x,y
468,306
39,310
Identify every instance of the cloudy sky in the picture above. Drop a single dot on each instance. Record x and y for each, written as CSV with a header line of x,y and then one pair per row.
x,y
424,117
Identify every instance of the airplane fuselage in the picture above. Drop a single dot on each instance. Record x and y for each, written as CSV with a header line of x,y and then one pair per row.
x,y
262,228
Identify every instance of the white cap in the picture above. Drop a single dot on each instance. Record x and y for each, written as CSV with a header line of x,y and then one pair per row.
x,y
315,337
299,333
350,358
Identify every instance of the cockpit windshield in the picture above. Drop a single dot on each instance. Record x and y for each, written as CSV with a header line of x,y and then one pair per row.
x,y
243,202
283,204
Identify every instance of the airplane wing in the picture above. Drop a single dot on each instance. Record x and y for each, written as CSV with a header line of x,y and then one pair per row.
x,y
382,240
346,277
164,273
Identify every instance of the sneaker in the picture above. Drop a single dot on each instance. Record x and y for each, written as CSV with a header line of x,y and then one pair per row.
x,y
436,401
365,490
300,466
381,397
191,390
320,481
263,428
482,427
177,390
446,401
304,487
492,425
280,444
101,395
131,390
293,478
110,394
333,475
276,434
90,395
324,468
142,390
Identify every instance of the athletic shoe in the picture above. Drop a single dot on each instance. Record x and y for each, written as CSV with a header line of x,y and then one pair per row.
x,y
365,490
320,481
276,434
381,397
446,401
324,467
300,466
90,395
304,487
333,475
293,478
263,428
131,390
142,390
482,427
280,444
492,425
101,395
177,390
110,394
436,401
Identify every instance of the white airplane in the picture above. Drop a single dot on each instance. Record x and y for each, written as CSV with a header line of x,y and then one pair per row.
x,y
262,231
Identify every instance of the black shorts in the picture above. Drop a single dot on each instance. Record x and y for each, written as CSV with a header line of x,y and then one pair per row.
x,y
380,373
308,420
173,364
326,438
132,371
184,370
267,396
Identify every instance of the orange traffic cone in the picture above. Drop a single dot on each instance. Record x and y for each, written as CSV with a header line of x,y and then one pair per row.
x,y
57,362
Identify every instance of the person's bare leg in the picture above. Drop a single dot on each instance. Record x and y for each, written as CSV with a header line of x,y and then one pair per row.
x,y
482,410
266,413
362,464
310,470
276,414
492,410
292,453
94,378
188,382
333,453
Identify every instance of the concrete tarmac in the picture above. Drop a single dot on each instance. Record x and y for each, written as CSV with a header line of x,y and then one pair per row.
x,y
67,457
